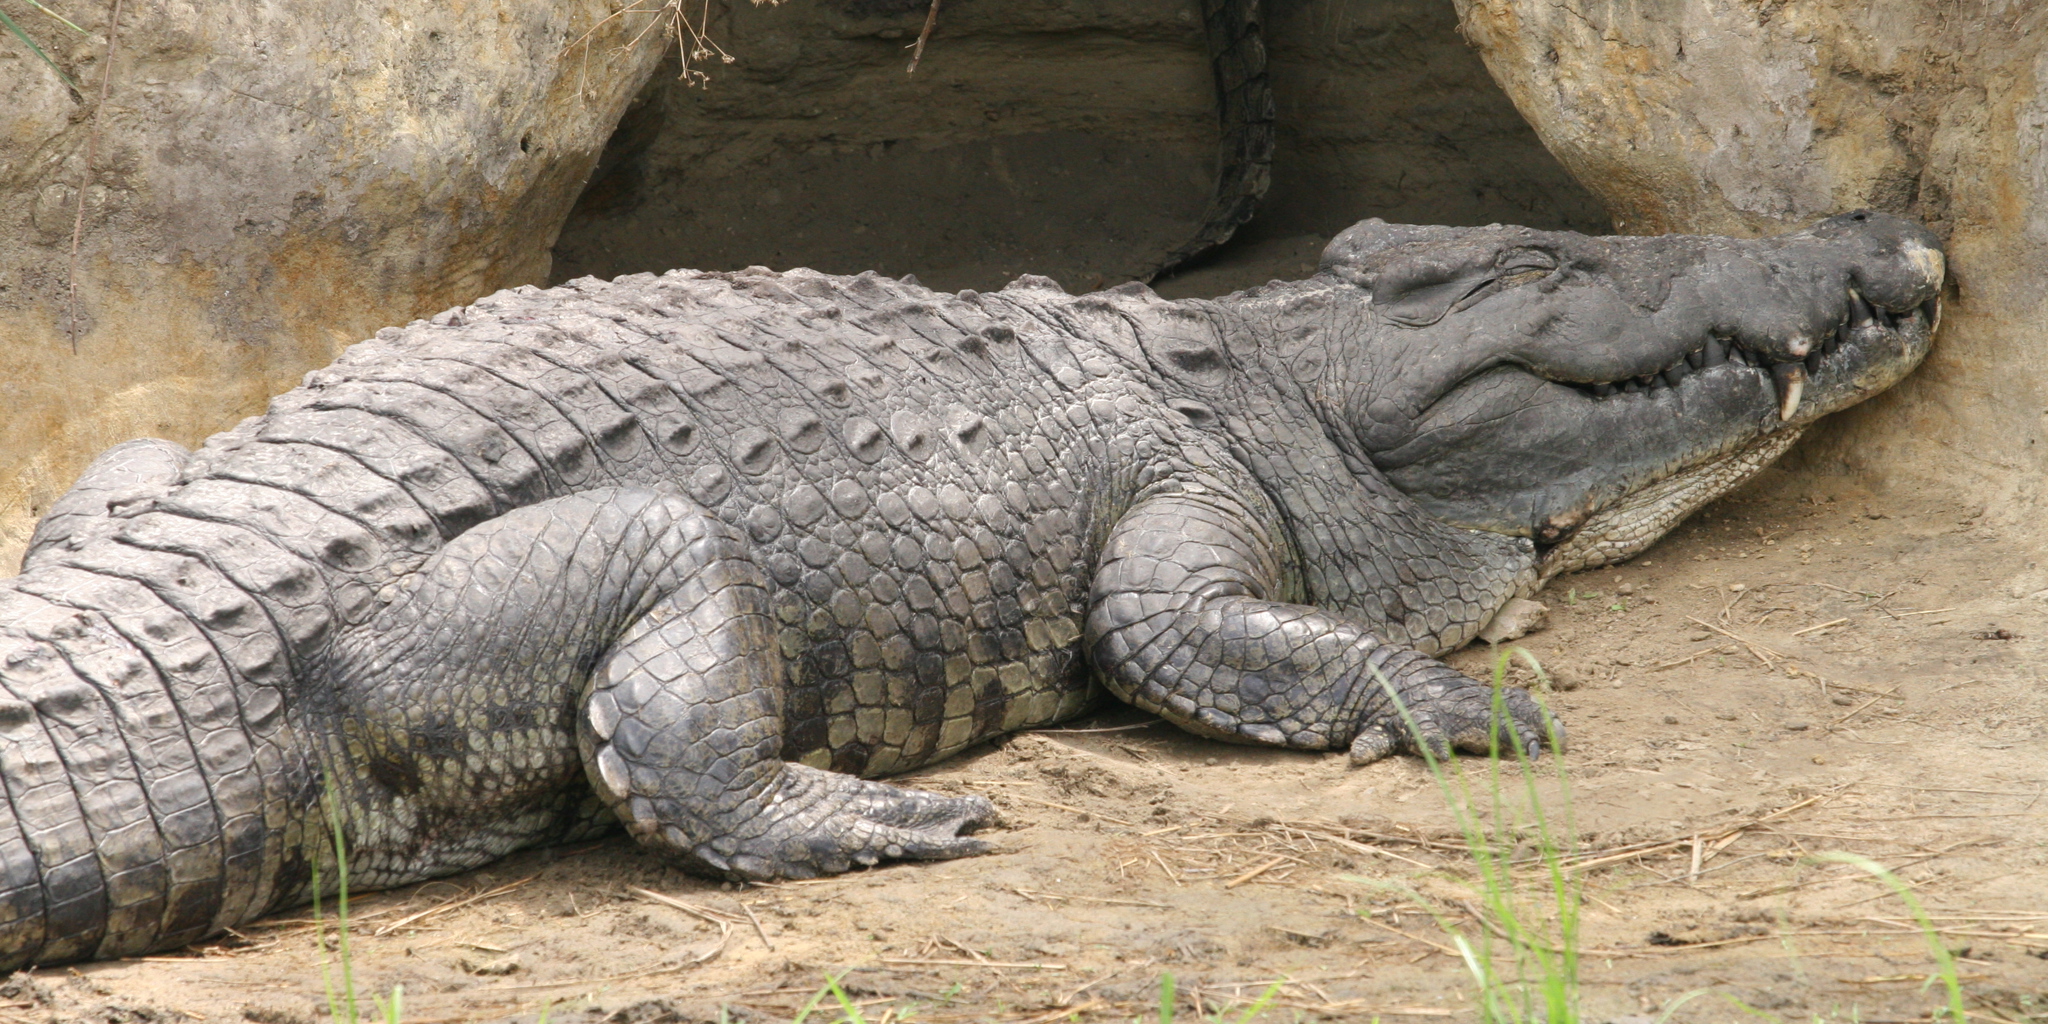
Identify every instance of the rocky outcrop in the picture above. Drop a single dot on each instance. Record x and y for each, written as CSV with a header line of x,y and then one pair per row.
x,y
268,183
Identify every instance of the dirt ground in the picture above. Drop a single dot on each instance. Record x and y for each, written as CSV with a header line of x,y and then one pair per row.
x,y
1779,677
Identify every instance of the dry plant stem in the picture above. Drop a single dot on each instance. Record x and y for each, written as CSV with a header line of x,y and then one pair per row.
x,y
443,908
931,18
1858,709
1769,657
1824,625
92,143
1069,809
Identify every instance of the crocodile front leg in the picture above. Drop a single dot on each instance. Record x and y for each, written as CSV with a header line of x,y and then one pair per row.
x,y
1182,624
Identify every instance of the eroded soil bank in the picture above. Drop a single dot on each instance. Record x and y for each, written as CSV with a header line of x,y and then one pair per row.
x,y
1891,706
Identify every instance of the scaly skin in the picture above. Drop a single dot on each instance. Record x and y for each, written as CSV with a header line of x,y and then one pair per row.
x,y
698,552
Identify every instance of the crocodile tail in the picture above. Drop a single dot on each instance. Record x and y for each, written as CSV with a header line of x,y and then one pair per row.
x,y
138,809
1244,110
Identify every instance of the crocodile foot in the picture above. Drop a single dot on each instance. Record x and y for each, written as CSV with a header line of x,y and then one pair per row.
x,y
821,823
1448,711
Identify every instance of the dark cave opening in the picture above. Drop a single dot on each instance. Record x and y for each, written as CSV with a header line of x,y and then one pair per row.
x,y
1071,139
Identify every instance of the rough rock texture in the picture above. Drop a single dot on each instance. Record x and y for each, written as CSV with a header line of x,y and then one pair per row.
x,y
1740,116
1074,140
270,182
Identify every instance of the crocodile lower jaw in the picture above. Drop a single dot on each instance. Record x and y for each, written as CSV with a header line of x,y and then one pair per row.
x,y
1622,530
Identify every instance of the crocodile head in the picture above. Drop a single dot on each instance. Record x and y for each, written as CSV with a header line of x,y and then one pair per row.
x,y
1587,393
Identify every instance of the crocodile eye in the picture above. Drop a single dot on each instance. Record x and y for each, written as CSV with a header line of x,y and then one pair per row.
x,y
1516,265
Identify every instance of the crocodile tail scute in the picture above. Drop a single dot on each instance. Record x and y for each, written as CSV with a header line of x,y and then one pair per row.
x,y
133,809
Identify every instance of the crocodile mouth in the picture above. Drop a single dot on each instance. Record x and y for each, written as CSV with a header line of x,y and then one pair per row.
x,y
1838,367
1540,452
1788,380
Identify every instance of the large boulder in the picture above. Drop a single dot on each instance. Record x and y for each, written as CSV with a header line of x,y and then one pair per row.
x,y
1748,116
269,182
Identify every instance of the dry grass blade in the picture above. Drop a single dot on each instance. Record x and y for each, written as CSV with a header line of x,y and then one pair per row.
x,y
724,932
1357,847
1068,808
1033,894
1770,658
1858,709
1894,869
701,912
1063,1012
1412,937
759,931
1721,835
1256,872
451,906
1000,965
1675,662
1824,625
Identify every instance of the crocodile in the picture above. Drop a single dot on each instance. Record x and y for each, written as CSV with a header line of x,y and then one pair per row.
x,y
703,554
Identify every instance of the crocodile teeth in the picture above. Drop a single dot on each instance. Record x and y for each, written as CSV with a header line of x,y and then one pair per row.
x,y
1714,352
1790,379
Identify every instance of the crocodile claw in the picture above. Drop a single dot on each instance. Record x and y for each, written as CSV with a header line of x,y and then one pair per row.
x,y
1460,717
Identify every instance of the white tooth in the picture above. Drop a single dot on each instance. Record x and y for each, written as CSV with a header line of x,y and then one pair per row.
x,y
1790,379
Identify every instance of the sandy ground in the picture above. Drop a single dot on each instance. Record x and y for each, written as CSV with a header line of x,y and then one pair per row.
x,y
1778,678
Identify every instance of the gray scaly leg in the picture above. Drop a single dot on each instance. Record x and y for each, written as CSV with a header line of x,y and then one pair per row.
x,y
650,617
1182,623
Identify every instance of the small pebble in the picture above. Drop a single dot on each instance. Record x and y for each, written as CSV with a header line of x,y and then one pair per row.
x,y
1797,726
1738,587
1210,761
1697,637
1817,759
1726,716
491,967
1625,589
1843,699
1670,719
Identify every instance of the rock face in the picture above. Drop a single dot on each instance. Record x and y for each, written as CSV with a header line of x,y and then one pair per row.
x,y
1075,140
269,183
1744,117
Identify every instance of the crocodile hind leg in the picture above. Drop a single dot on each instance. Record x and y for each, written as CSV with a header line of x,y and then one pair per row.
x,y
645,618
682,731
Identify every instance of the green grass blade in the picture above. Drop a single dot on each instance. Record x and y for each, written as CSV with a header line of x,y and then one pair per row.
x,y
59,17
1942,957
1166,998
31,44
1265,999
831,984
850,1013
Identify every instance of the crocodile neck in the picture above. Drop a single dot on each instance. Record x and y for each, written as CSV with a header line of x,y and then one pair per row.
x,y
1363,546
